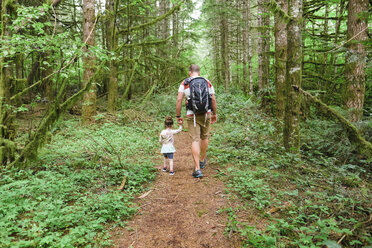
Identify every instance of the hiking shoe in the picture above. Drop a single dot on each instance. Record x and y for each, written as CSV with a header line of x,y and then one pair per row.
x,y
171,173
164,169
203,164
197,174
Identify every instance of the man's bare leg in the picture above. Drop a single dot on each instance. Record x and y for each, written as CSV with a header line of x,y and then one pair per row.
x,y
195,149
203,149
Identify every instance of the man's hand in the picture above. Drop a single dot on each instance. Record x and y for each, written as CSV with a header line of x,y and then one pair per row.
x,y
214,118
180,121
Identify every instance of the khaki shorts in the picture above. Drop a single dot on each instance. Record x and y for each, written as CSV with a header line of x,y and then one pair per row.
x,y
202,128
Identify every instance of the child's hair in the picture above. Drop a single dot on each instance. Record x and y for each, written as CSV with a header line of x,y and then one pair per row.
x,y
168,121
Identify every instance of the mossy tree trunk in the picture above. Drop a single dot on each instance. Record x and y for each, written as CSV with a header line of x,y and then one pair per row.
x,y
224,45
364,147
7,129
263,44
238,45
280,33
112,44
249,47
175,28
356,57
89,97
266,45
291,131
245,48
217,54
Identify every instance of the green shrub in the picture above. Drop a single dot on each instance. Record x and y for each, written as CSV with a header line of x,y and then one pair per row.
x,y
69,195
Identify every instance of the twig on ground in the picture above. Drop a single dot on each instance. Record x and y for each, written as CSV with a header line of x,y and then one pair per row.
x,y
104,149
122,185
131,245
117,154
355,227
144,205
145,194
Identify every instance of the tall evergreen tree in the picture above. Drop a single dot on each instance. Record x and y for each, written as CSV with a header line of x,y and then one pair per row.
x,y
356,57
291,131
280,34
89,98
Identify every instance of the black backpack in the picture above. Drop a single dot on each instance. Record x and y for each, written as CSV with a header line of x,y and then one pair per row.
x,y
200,99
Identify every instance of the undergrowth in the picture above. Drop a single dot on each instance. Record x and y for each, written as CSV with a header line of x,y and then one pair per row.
x,y
319,198
69,196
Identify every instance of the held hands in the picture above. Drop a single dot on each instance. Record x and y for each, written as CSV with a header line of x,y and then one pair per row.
x,y
180,121
214,118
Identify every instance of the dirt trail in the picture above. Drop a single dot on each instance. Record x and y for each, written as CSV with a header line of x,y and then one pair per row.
x,y
180,211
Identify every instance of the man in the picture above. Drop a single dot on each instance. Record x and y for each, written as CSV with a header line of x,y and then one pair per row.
x,y
198,124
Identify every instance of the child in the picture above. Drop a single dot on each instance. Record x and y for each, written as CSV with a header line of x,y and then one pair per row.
x,y
166,139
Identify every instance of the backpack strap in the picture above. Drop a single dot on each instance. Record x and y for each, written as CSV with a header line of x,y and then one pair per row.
x,y
188,80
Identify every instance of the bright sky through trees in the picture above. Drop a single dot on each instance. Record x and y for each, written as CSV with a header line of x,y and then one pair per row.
x,y
196,13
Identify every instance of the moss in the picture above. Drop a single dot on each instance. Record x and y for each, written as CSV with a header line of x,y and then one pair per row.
x,y
275,8
158,19
39,138
364,147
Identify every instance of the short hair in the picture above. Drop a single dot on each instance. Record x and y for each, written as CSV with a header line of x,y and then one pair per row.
x,y
194,68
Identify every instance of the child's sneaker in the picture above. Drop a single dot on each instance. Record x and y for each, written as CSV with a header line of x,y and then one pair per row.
x,y
171,173
164,169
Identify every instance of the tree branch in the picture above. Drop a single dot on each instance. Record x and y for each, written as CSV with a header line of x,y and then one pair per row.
x,y
55,3
158,19
364,147
149,43
276,9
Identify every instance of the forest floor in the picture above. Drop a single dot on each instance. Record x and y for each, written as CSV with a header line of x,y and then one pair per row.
x,y
179,211
253,194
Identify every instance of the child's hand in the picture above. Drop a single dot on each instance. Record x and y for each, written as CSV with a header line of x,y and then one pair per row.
x,y
180,121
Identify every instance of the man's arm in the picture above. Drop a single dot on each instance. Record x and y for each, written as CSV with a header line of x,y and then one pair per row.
x,y
214,109
179,103
179,106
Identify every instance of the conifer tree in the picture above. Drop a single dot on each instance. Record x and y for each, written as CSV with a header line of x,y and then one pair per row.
x,y
89,98
356,56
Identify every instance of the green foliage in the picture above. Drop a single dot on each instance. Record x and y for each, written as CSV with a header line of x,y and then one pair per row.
x,y
326,137
250,186
70,194
310,200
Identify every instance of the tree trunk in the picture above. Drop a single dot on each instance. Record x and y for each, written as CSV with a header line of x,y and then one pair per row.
x,y
260,47
264,51
7,128
217,55
364,147
249,47
266,45
89,97
291,131
245,48
238,9
175,28
356,57
263,44
224,46
339,13
164,7
280,59
112,43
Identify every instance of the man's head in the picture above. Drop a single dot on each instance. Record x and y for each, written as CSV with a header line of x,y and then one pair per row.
x,y
194,70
